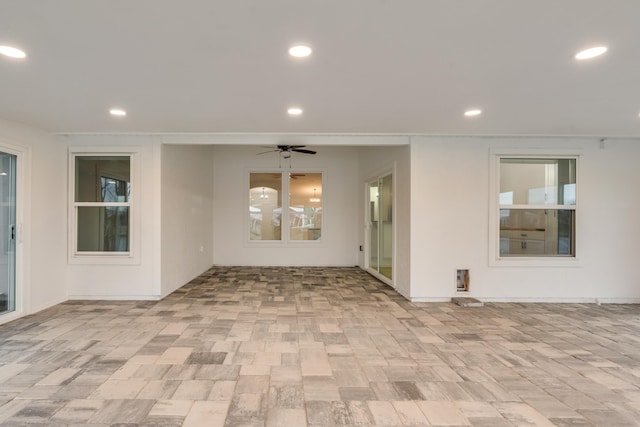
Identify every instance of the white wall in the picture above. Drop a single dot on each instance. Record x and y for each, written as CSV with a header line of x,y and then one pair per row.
x,y
441,218
187,214
140,280
339,245
43,230
450,222
381,160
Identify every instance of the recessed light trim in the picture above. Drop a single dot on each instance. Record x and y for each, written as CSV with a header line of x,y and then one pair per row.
x,y
294,111
12,52
592,52
472,113
118,112
300,51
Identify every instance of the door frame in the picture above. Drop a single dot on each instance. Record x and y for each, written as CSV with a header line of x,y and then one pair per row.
x,y
21,290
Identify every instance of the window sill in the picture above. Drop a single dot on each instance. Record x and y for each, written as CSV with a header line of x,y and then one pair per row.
x,y
104,259
546,262
281,243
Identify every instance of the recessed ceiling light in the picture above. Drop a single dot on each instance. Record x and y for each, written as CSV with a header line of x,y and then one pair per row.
x,y
294,111
300,51
591,52
12,52
471,113
117,112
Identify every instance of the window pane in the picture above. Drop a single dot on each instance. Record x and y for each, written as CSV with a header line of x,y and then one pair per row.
x,y
305,206
537,181
265,206
102,178
537,232
103,229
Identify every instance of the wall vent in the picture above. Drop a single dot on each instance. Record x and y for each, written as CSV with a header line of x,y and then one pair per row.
x,y
462,280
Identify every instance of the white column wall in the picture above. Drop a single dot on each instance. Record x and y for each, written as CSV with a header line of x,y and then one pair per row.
x,y
118,281
441,219
450,223
187,214
42,233
338,246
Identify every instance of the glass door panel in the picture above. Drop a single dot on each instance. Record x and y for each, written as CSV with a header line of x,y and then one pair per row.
x,y
7,232
381,226
373,226
386,227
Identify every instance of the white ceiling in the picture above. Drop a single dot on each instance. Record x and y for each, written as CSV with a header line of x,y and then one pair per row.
x,y
378,66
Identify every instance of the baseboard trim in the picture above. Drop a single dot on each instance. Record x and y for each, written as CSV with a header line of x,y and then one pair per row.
x,y
563,300
539,300
430,299
15,315
48,304
114,297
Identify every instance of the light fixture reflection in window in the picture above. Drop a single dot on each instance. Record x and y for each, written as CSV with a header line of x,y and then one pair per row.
x,y
314,199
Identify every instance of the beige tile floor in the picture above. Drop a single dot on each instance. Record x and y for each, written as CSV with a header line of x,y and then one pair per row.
x,y
318,347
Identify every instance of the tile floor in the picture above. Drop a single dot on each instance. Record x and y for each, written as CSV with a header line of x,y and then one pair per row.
x,y
318,347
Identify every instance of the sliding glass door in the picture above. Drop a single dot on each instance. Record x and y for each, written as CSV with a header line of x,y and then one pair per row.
x,y
380,222
7,232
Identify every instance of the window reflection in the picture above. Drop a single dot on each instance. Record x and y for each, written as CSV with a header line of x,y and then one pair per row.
x,y
537,207
102,203
537,181
103,229
301,211
102,178
114,190
265,206
305,206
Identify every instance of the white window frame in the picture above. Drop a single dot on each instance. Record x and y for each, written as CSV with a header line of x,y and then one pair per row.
x,y
84,257
285,240
495,260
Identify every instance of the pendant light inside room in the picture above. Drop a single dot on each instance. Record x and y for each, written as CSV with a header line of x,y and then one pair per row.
x,y
314,199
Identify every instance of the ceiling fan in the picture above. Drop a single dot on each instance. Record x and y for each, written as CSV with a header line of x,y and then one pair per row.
x,y
286,150
291,175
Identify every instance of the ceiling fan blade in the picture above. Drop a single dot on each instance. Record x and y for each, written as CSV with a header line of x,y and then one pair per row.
x,y
288,147
298,150
270,151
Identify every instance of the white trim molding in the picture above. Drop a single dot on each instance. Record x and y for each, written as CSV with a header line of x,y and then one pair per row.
x,y
131,257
